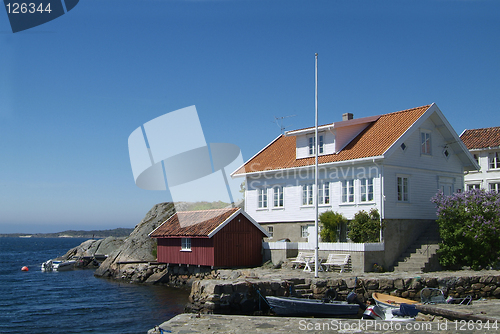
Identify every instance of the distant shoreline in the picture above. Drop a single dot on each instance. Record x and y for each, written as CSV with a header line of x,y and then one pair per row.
x,y
96,234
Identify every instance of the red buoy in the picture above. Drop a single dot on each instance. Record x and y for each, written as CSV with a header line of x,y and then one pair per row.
x,y
24,268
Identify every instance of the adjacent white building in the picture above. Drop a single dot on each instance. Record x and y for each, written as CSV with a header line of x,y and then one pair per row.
x,y
484,145
394,162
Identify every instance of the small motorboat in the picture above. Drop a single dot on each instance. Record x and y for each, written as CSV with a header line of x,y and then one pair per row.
x,y
293,306
52,265
405,312
391,301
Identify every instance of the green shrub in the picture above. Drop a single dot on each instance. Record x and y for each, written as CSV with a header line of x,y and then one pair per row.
x,y
365,227
469,225
331,222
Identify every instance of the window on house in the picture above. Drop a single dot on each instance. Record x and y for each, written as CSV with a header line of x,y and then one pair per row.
x,y
402,189
324,193
304,232
473,186
476,158
425,143
494,161
307,194
404,147
366,190
311,144
348,191
262,197
495,186
270,230
278,196
186,244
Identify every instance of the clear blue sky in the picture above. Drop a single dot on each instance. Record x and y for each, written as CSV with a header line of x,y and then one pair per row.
x,y
72,90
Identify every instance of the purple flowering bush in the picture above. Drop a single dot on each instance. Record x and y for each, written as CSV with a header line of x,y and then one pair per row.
x,y
469,225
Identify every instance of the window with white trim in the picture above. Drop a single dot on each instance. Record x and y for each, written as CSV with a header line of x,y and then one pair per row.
x,y
403,184
262,194
186,244
366,189
495,186
348,191
425,141
270,230
494,160
476,158
324,193
473,186
320,144
278,197
307,194
304,231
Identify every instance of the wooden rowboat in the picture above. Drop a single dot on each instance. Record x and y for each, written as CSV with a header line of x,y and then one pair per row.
x,y
391,301
293,307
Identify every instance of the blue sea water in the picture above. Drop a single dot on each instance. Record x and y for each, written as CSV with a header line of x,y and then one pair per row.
x,y
74,301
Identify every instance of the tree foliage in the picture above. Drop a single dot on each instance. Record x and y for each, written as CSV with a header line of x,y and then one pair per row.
x,y
365,227
469,225
331,222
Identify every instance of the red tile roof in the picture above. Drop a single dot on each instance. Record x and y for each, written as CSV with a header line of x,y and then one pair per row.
x,y
193,223
481,138
373,141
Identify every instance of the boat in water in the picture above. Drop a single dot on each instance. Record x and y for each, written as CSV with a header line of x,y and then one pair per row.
x,y
52,265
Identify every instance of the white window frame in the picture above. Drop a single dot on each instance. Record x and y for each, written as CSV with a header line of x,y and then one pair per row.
x,y
307,194
425,143
493,161
311,145
347,191
366,190
262,198
472,186
324,194
278,197
403,189
185,244
304,231
494,186
270,230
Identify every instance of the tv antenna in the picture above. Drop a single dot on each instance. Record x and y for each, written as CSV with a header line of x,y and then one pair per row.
x,y
279,122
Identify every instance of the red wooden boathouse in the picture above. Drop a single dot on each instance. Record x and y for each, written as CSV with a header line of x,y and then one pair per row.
x,y
217,238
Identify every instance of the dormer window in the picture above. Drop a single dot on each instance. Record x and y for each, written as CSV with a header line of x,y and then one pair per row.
x,y
320,144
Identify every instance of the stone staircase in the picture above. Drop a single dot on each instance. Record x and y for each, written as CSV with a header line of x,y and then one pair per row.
x,y
421,255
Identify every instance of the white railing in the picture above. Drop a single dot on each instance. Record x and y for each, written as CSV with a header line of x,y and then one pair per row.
x,y
327,246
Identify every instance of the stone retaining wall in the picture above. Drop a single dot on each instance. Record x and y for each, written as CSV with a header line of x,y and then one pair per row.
x,y
241,296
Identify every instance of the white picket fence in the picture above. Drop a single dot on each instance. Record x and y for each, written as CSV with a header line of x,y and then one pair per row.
x,y
327,246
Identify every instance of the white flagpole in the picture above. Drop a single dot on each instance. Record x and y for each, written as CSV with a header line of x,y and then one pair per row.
x,y
316,248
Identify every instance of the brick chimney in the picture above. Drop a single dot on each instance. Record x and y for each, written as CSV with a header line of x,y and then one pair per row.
x,y
347,116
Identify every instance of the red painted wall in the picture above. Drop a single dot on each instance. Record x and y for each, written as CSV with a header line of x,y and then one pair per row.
x,y
238,244
202,251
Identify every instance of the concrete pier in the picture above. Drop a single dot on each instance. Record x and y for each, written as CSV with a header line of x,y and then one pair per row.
x,y
211,323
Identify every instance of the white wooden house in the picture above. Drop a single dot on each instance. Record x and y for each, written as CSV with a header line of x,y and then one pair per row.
x,y
484,145
393,162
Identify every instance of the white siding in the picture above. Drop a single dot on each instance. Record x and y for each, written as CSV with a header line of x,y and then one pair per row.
x,y
426,174
486,175
293,210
